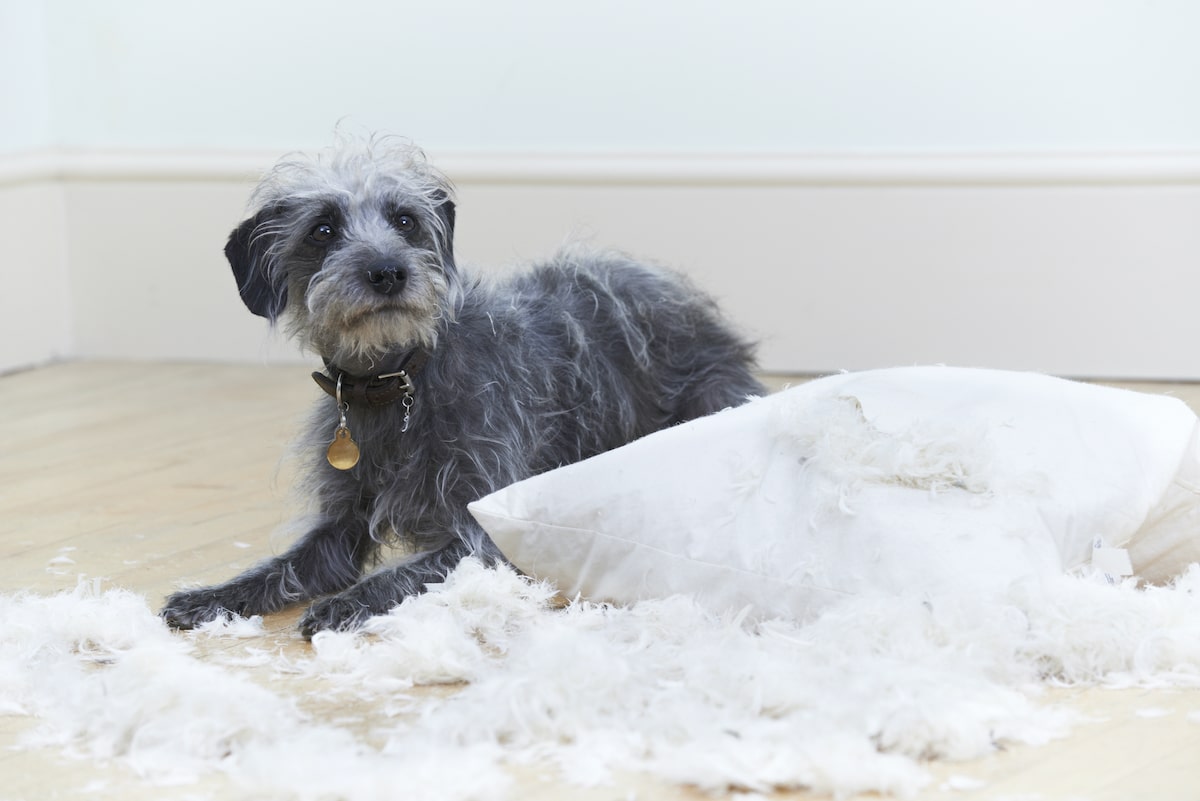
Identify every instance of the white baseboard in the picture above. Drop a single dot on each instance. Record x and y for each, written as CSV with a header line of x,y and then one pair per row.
x,y
1077,265
36,305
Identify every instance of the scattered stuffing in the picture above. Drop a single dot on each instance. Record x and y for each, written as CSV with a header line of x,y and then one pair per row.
x,y
962,783
233,628
850,702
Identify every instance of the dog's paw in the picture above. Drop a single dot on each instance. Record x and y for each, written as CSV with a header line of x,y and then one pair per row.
x,y
335,613
188,609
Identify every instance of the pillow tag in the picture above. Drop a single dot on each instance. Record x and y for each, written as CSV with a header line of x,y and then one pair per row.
x,y
1112,562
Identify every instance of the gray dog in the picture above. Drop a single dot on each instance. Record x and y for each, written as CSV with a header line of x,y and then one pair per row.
x,y
444,387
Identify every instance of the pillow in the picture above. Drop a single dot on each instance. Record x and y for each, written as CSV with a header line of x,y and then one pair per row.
x,y
925,478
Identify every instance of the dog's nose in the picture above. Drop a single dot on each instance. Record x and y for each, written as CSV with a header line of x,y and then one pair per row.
x,y
387,279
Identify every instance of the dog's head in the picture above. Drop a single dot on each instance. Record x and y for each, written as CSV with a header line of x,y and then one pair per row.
x,y
353,248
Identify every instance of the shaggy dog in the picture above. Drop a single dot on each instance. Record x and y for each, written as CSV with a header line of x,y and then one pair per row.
x,y
444,387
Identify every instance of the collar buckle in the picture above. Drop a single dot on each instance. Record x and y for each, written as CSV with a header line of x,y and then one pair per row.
x,y
406,384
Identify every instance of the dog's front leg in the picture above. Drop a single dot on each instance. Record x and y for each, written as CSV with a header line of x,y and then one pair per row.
x,y
329,558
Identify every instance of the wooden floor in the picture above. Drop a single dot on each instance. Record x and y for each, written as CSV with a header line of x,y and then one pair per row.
x,y
152,474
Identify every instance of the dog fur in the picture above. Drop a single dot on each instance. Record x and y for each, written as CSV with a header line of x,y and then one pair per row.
x,y
352,251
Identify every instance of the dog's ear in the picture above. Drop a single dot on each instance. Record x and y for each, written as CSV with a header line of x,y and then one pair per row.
x,y
445,214
263,293
445,211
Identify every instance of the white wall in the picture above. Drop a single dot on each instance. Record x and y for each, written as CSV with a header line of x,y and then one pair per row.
x,y
619,75
861,182
25,122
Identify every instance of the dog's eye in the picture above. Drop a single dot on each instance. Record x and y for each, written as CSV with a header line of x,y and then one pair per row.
x,y
322,233
405,223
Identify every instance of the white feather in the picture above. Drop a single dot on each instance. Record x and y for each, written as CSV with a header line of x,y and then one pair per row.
x,y
850,702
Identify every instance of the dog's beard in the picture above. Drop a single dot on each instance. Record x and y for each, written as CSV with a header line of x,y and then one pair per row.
x,y
358,333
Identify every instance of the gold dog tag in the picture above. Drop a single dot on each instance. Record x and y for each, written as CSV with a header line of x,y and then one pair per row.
x,y
343,451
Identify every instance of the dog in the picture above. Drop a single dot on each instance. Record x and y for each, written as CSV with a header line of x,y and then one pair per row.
x,y
443,387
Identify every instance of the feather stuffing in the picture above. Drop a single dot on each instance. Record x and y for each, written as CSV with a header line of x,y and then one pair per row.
x,y
849,702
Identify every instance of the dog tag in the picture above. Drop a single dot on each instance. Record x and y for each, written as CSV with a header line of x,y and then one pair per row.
x,y
343,451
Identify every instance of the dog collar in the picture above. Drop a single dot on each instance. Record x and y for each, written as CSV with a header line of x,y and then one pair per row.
x,y
378,390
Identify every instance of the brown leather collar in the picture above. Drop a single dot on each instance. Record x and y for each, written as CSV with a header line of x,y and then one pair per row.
x,y
379,390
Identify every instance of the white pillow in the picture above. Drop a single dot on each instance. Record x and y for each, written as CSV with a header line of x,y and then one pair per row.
x,y
926,478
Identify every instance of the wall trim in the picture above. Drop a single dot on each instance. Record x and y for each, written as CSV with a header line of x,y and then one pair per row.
x,y
1072,265
648,169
